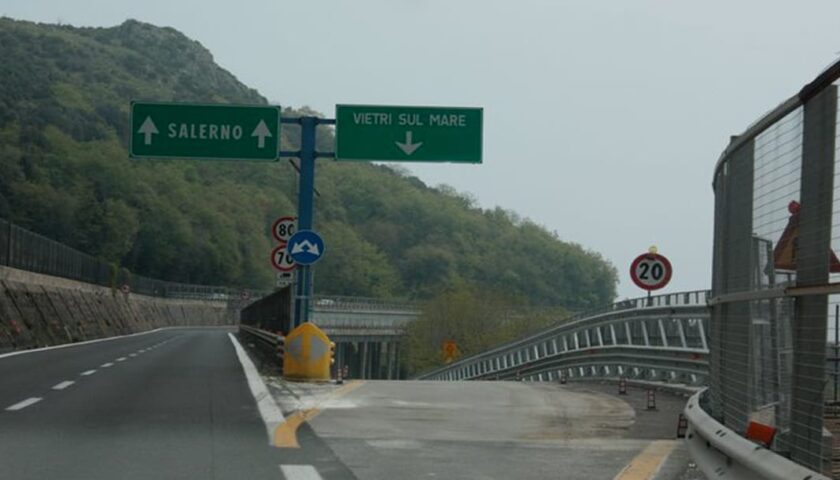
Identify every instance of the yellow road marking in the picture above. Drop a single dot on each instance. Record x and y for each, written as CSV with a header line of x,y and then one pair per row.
x,y
285,435
646,463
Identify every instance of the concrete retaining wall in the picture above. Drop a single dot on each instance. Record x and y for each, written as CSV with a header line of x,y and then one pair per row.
x,y
39,310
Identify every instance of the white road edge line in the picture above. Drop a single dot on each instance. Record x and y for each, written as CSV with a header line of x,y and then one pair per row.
x,y
88,372
269,410
300,472
116,337
63,385
106,365
23,404
65,345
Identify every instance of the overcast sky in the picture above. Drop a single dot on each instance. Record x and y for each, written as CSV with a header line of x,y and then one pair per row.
x,y
603,120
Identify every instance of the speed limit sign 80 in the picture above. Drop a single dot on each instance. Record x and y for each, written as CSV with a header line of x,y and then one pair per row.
x,y
283,228
650,271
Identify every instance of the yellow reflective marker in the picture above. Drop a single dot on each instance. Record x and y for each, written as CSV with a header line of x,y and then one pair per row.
x,y
285,435
306,354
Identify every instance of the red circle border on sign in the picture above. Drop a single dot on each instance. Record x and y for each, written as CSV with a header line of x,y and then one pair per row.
x,y
651,256
278,267
274,228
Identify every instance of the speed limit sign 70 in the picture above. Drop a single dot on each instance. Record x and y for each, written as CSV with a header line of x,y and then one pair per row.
x,y
281,260
650,271
283,228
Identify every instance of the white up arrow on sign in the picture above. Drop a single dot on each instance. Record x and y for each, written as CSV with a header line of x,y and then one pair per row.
x,y
305,246
147,129
408,147
261,132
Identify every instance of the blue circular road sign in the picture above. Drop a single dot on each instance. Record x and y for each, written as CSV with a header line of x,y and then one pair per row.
x,y
306,247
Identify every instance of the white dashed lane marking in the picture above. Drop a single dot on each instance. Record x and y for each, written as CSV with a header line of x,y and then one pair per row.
x,y
300,472
132,354
89,372
121,359
106,365
23,404
63,385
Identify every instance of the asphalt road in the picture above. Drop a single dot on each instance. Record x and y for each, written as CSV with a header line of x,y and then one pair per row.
x,y
494,430
173,404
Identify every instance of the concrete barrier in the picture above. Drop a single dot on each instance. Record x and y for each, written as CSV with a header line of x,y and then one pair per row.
x,y
39,310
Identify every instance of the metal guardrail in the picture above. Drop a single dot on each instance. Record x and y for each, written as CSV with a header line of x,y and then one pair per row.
x,y
27,250
721,452
270,345
662,338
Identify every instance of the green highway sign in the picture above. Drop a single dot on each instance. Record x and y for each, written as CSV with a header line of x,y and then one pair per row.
x,y
164,130
408,134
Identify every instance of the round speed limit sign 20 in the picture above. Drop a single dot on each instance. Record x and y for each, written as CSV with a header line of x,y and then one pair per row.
x,y
650,271
281,260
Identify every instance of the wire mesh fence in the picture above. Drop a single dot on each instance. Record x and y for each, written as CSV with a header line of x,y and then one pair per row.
x,y
774,272
27,250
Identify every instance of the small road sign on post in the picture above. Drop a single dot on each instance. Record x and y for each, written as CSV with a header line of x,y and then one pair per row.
x,y
172,130
283,228
306,247
408,134
651,271
450,351
281,260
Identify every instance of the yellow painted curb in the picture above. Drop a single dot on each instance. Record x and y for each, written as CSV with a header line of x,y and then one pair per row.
x,y
285,435
647,463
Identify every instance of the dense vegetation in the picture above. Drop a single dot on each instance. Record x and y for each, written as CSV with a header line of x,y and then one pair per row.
x,y
475,319
64,172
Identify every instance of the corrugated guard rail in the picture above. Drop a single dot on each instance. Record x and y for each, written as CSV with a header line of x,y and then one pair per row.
x,y
270,345
722,453
662,339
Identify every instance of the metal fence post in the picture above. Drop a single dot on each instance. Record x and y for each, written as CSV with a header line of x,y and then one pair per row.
x,y
812,268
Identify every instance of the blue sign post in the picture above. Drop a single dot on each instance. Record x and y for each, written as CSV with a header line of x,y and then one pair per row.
x,y
306,193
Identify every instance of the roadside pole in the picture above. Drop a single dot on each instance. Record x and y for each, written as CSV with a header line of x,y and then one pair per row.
x,y
306,193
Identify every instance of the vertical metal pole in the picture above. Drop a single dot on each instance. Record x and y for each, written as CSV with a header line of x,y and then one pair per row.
x,y
836,347
306,189
364,361
9,246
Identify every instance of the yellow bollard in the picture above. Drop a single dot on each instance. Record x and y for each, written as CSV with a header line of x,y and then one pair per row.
x,y
307,354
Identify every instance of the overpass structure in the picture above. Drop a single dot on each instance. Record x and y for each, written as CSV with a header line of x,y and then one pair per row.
x,y
367,332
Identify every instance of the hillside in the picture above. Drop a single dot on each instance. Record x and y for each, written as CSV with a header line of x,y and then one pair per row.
x,y
65,173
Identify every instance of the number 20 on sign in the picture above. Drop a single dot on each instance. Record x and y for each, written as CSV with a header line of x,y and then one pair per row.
x,y
651,271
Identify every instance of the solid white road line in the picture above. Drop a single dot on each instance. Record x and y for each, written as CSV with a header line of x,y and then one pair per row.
x,y
63,385
269,410
300,472
122,359
24,404
106,365
89,372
